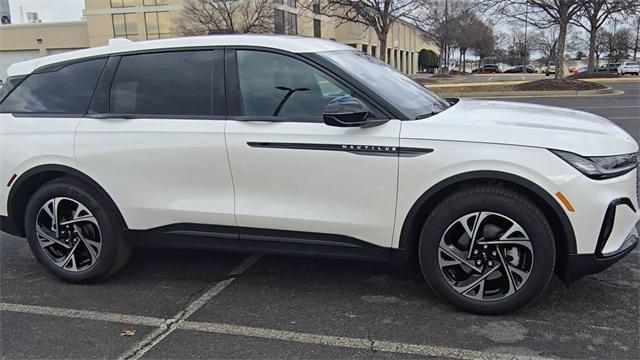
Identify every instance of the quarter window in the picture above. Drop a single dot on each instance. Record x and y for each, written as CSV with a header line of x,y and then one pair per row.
x,y
171,83
278,85
67,90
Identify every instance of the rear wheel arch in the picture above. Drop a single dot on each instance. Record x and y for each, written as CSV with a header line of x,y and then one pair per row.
x,y
560,224
29,181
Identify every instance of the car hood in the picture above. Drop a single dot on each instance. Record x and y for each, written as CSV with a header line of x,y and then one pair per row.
x,y
520,124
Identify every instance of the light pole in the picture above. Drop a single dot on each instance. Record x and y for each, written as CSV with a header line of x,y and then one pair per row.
x,y
635,48
526,22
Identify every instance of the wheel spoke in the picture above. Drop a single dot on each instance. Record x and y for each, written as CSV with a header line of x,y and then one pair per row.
x,y
458,258
50,240
507,273
525,243
515,228
89,218
70,258
465,288
476,226
480,293
92,246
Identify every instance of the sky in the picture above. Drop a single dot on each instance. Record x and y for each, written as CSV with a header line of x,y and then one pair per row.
x,y
48,10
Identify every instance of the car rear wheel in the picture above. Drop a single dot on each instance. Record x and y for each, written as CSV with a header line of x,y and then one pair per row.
x,y
74,232
487,249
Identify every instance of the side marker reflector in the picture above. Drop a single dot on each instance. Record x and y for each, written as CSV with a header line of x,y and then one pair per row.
x,y
565,201
11,180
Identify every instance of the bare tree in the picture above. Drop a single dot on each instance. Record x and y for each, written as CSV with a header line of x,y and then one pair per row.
x,y
202,17
442,21
595,13
542,14
546,42
380,15
618,44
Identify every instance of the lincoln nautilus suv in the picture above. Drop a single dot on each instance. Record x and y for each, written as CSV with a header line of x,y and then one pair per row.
x,y
306,147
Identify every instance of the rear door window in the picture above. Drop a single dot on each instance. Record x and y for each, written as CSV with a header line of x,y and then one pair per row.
x,y
169,83
65,89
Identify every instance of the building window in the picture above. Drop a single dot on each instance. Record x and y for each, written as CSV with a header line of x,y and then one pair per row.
x,y
374,51
122,3
292,24
124,25
365,48
278,1
291,3
316,6
155,2
317,28
278,20
158,25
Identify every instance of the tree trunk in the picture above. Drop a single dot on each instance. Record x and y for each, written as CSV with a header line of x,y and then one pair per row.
x,y
383,47
562,37
460,61
464,61
592,49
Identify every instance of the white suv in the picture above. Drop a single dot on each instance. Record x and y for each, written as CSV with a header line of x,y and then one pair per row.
x,y
305,146
629,67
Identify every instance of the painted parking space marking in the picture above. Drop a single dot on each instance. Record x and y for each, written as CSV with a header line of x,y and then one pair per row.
x,y
82,314
347,342
169,326
165,327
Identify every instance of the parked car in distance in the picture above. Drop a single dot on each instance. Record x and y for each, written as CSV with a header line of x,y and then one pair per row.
x,y
610,67
518,69
550,69
489,68
580,70
629,67
289,145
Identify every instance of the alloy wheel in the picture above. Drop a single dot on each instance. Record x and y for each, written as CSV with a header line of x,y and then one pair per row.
x,y
485,256
69,234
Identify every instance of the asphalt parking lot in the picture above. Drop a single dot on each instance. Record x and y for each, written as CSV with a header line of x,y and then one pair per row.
x,y
202,304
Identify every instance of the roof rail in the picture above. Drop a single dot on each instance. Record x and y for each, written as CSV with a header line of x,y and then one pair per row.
x,y
119,41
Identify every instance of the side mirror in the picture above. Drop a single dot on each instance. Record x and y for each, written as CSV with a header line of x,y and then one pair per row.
x,y
345,111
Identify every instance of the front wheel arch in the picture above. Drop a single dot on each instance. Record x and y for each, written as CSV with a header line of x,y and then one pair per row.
x,y
28,182
560,224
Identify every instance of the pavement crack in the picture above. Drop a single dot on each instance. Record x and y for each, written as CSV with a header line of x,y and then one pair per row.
x,y
372,349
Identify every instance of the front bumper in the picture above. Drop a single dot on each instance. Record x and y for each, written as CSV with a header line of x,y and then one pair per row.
x,y
580,265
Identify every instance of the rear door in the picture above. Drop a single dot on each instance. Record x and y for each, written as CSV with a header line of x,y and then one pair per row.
x,y
154,138
294,173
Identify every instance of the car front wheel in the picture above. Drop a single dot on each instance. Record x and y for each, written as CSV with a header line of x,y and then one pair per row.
x,y
74,232
487,249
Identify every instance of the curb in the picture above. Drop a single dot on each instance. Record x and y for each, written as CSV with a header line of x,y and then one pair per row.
x,y
599,92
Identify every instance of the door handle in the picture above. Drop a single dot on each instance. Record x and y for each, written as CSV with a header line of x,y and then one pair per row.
x,y
111,116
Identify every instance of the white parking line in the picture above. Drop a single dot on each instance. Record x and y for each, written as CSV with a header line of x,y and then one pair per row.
x,y
347,342
168,326
82,314
247,331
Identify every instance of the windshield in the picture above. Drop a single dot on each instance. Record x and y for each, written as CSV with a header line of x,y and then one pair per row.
x,y
407,95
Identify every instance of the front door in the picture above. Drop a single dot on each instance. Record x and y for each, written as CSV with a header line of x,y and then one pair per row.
x,y
290,170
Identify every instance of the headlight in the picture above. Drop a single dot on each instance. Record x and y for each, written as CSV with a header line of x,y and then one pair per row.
x,y
600,167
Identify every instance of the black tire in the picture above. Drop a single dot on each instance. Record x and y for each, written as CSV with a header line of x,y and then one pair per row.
x,y
497,199
114,252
